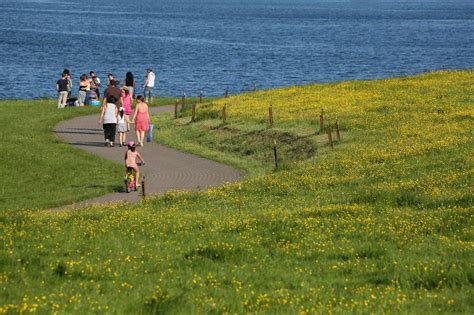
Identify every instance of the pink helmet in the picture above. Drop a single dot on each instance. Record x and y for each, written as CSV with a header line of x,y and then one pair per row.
x,y
131,144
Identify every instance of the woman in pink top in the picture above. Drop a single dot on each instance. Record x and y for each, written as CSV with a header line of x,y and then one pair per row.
x,y
141,119
127,104
131,161
126,101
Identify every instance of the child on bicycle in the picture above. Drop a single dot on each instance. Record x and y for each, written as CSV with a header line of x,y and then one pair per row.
x,y
131,161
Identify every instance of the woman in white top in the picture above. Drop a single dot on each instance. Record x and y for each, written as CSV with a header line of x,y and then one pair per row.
x,y
108,119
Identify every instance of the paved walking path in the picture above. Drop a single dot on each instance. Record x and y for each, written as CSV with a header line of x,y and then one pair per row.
x,y
165,168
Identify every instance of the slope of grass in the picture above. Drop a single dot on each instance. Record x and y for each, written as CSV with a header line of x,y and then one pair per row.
x,y
39,170
380,224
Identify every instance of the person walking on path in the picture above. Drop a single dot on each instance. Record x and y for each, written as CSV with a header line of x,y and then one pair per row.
x,y
149,85
127,102
123,126
62,88
114,91
130,83
108,119
95,83
84,87
141,118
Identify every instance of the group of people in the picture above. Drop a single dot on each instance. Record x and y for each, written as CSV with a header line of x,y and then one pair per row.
x,y
116,108
115,116
89,87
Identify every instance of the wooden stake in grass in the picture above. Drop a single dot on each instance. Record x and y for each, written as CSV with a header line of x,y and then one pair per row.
x,y
330,138
338,134
275,154
226,92
176,109
224,114
200,97
193,118
270,115
143,186
321,121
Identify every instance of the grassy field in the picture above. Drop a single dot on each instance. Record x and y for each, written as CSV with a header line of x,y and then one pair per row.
x,y
40,171
382,223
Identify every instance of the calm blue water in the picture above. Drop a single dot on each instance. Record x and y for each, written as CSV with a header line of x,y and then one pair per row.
x,y
208,45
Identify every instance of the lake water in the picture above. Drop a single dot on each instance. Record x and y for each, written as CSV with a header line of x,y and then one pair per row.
x,y
209,45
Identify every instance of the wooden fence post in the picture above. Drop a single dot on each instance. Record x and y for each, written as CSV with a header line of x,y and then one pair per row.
x,y
176,109
321,121
275,155
270,115
338,134
226,92
200,97
193,118
330,138
224,114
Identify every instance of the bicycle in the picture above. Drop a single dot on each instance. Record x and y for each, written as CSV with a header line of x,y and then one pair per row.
x,y
129,181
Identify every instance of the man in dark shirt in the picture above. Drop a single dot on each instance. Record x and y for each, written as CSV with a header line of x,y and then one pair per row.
x,y
62,88
114,91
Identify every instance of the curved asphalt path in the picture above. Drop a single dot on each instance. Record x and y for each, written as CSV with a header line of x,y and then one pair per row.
x,y
165,168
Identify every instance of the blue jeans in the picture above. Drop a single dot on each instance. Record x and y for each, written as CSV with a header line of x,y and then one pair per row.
x,y
81,97
148,91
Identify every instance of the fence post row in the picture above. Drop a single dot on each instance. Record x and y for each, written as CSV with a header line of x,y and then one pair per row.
x,y
226,92
200,97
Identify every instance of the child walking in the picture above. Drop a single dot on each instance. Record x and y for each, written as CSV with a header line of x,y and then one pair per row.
x,y
131,161
122,126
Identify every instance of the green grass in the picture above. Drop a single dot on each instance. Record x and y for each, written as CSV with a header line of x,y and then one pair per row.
x,y
246,145
38,169
381,224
